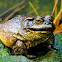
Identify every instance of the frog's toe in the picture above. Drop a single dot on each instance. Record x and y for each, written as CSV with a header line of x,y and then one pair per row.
x,y
50,46
31,56
19,48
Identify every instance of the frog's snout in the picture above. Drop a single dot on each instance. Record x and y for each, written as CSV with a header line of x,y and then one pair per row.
x,y
19,48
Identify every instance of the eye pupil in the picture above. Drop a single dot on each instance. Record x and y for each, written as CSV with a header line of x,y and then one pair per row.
x,y
37,20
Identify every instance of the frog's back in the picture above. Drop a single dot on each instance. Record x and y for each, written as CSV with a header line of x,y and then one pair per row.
x,y
13,25
9,28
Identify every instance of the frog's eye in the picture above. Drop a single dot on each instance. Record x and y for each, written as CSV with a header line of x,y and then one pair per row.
x,y
38,20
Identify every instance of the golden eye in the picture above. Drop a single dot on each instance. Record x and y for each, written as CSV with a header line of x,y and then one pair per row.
x,y
41,20
38,21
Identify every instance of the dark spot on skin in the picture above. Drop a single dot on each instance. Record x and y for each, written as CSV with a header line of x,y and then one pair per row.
x,y
29,45
30,19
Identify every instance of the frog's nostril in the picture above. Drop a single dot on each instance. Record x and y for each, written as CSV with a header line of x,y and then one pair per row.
x,y
45,23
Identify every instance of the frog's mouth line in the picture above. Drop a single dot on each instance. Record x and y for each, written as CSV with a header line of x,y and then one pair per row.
x,y
42,27
49,29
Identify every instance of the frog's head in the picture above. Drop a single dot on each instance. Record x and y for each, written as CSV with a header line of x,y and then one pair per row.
x,y
39,23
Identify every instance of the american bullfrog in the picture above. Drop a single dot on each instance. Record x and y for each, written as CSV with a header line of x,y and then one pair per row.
x,y
21,33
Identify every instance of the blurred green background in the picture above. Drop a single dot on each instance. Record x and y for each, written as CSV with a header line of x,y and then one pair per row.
x,y
44,6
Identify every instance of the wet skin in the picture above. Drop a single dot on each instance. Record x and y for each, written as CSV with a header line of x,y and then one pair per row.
x,y
21,33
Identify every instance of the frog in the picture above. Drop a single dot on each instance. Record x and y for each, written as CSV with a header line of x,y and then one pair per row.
x,y
21,33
